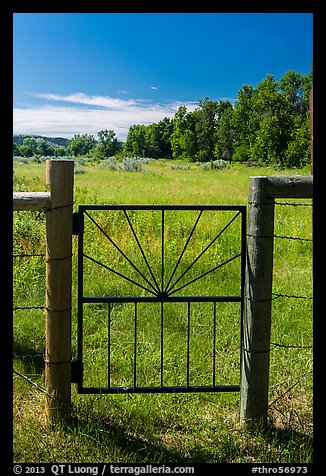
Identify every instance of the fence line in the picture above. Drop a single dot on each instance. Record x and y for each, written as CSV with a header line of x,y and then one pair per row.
x,y
263,190
256,345
272,403
273,346
292,296
57,205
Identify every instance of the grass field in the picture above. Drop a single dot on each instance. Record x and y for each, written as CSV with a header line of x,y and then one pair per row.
x,y
168,428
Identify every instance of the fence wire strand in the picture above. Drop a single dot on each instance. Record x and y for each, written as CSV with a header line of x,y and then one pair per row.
x,y
284,237
39,388
28,255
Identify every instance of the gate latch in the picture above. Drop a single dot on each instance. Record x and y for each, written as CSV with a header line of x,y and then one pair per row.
x,y
75,223
76,370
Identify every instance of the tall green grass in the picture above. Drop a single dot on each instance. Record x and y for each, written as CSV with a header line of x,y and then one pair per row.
x,y
200,427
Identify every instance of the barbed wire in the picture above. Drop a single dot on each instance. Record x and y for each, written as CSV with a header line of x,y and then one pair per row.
x,y
290,346
27,255
39,388
24,308
300,377
275,345
282,237
294,204
291,296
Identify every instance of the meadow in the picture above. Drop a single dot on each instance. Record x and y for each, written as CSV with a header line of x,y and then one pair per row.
x,y
177,427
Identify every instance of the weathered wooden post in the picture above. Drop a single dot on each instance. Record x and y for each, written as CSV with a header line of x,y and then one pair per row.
x,y
60,177
257,308
258,289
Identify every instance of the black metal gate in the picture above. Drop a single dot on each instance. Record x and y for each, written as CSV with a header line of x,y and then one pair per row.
x,y
135,263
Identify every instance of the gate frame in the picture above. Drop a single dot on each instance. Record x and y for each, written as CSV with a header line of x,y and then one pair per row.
x,y
161,297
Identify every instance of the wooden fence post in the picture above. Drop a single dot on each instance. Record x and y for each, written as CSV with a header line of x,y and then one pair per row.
x,y
60,177
258,289
257,308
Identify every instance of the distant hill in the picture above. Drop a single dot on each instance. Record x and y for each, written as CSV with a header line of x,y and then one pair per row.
x,y
53,141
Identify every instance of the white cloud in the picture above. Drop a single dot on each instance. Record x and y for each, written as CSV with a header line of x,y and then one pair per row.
x,y
97,113
122,91
81,98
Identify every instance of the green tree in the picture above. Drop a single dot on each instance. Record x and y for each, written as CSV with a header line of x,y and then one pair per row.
x,y
183,138
15,149
224,134
245,123
295,89
29,147
206,129
273,128
82,144
297,152
60,151
108,144
158,139
271,122
135,144
44,148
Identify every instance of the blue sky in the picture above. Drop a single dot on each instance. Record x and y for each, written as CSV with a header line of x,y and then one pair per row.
x,y
83,72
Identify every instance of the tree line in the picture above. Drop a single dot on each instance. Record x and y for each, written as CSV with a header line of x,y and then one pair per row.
x,y
104,145
268,124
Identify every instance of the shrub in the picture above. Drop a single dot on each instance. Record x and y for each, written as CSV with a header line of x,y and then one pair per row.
x,y
128,164
110,163
132,164
79,169
180,167
214,165
220,164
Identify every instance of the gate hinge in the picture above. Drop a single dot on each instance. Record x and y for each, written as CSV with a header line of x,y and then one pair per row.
x,y
75,223
76,370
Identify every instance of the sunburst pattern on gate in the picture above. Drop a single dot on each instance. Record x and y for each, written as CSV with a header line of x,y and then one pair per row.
x,y
155,253
167,279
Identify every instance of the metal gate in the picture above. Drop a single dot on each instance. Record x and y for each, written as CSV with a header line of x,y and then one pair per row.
x,y
153,279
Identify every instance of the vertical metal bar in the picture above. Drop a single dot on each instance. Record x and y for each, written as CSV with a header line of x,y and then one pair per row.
x,y
109,346
162,289
135,346
80,299
162,344
188,345
214,344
